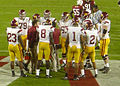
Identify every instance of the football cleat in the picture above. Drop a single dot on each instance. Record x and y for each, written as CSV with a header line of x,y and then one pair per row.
x,y
48,76
95,76
23,75
13,74
97,47
81,76
106,70
37,76
102,69
76,77
65,78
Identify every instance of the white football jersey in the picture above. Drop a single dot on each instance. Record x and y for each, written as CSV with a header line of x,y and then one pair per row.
x,y
12,35
44,31
107,23
97,16
43,20
63,27
92,35
74,36
24,24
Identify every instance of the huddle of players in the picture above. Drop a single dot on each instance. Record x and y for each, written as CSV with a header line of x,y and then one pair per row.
x,y
78,38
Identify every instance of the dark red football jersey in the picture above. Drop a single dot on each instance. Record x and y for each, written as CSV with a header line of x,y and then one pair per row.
x,y
88,5
56,35
77,10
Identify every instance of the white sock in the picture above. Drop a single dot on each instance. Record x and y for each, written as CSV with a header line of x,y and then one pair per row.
x,y
37,72
82,72
96,72
64,61
47,72
107,64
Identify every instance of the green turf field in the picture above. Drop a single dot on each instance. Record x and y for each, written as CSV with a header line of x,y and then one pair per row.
x,y
9,10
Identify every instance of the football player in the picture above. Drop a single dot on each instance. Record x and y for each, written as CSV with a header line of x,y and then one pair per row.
x,y
15,46
88,4
63,24
24,23
73,42
105,40
77,11
97,16
90,38
44,47
47,16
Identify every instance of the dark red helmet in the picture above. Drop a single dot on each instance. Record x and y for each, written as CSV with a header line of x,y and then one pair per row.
x,y
14,23
65,15
88,24
36,16
104,15
47,13
22,13
48,22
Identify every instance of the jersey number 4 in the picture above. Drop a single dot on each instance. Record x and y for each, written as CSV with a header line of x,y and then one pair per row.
x,y
11,37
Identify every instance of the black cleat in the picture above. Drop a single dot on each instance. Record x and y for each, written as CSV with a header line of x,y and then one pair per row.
x,y
13,74
95,76
76,78
37,76
102,69
81,76
106,70
48,76
23,75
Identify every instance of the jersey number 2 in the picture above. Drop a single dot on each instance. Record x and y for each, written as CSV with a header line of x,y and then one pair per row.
x,y
13,39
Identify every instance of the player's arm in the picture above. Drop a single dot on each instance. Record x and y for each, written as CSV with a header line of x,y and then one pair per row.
x,y
20,41
67,41
71,14
82,41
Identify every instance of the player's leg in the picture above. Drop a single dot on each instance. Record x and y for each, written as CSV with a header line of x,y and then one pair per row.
x,y
47,57
92,56
69,59
82,63
77,58
40,56
19,56
63,41
12,57
106,58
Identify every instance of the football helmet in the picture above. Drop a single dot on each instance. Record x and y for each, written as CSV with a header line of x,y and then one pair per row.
x,y
14,23
47,14
22,14
65,16
79,2
36,16
104,15
86,13
48,22
88,24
